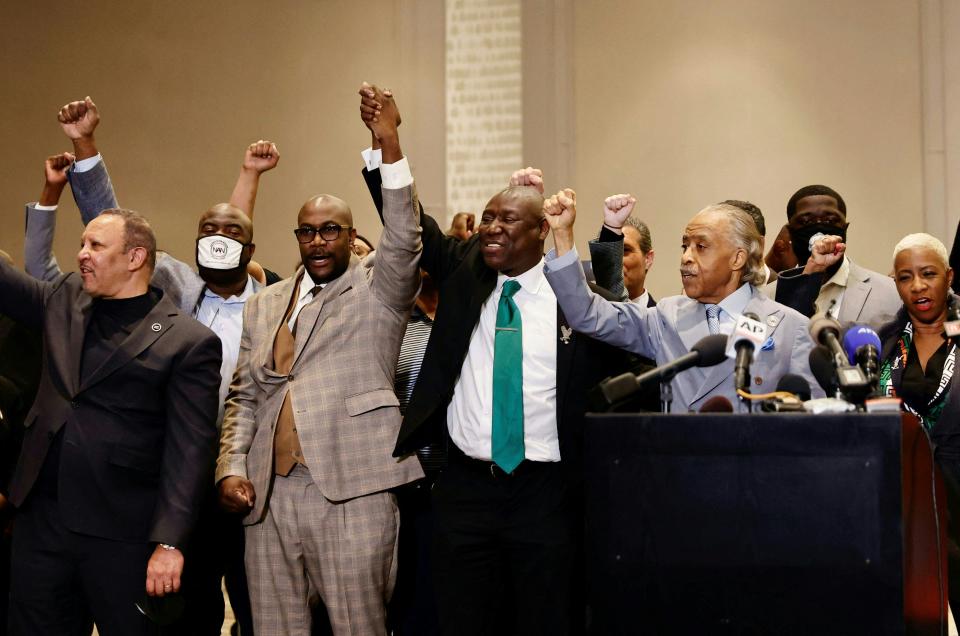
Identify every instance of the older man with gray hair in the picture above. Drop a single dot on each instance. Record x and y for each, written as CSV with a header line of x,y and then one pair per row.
x,y
720,268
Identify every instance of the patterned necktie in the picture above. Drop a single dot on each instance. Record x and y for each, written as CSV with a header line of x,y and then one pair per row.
x,y
507,436
713,318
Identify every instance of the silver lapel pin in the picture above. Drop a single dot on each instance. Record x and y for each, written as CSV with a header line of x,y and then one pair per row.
x,y
565,333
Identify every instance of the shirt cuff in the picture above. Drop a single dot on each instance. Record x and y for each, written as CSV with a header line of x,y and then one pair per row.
x,y
373,158
44,208
87,164
554,262
396,175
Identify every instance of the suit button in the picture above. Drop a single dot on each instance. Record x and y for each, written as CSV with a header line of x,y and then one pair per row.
x,y
290,378
75,404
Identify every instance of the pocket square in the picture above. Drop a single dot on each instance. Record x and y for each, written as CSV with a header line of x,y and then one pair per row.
x,y
768,345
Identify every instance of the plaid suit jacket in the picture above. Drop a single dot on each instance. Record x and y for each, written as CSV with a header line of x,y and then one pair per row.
x,y
341,382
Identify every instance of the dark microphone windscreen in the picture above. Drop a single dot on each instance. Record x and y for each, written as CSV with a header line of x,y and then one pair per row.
x,y
717,404
712,350
823,369
796,384
856,336
820,325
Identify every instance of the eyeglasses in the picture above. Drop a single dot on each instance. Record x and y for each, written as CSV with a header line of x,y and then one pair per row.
x,y
330,232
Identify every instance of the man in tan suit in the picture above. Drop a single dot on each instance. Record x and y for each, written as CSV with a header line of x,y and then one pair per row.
x,y
312,417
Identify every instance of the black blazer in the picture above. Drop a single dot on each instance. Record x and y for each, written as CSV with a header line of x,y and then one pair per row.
x,y
139,434
20,355
464,283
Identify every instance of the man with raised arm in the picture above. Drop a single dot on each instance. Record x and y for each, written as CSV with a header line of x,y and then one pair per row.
x,y
720,267
503,383
214,294
118,446
312,416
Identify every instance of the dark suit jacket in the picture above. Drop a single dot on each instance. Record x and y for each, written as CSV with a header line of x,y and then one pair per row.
x,y
139,433
464,283
20,355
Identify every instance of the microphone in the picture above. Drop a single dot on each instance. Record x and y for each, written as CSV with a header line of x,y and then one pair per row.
x,y
862,345
747,336
826,331
717,404
851,379
707,352
796,384
823,369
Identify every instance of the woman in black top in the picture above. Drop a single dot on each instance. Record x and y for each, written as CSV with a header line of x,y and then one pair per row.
x,y
917,358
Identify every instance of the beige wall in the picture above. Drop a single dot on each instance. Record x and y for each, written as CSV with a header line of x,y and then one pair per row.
x,y
683,103
687,103
184,86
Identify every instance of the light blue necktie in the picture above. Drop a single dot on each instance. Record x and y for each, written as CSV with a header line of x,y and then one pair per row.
x,y
713,318
507,435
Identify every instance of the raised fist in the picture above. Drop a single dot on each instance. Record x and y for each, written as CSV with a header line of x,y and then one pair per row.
x,y
616,209
79,119
379,111
561,209
55,168
261,156
528,177
827,251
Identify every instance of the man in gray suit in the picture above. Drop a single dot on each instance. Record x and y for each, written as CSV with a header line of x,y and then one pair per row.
x,y
312,416
719,269
843,290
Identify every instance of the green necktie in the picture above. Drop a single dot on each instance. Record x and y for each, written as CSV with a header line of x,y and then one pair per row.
x,y
507,437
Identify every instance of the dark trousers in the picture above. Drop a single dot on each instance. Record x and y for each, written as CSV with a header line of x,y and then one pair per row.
x,y
505,549
413,609
215,552
63,581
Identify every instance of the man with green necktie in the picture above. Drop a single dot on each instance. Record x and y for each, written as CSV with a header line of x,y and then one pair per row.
x,y
503,384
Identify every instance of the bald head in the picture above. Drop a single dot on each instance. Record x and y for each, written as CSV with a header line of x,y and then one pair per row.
x,y
334,208
228,220
328,216
512,230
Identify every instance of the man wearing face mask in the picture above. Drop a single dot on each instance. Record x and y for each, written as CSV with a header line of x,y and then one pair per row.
x,y
845,291
214,294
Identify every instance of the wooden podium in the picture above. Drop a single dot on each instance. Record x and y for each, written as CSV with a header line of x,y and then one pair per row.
x,y
763,524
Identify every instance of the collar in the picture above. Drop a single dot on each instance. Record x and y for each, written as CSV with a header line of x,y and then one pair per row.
x,y
531,281
642,299
841,275
242,298
736,303
306,285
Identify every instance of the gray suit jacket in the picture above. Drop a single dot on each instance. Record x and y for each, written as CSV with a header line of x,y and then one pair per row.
x,y
341,382
668,330
870,298
93,192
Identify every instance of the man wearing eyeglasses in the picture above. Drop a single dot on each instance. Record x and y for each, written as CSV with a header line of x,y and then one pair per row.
x,y
312,416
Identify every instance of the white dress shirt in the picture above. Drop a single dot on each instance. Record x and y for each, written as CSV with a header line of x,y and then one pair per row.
x,y
642,299
470,412
224,317
831,293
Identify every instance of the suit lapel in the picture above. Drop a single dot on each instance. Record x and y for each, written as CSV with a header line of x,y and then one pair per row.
x,y
310,315
691,322
153,326
855,295
78,328
567,342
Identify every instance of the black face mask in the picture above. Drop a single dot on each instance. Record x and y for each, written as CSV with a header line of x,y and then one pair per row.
x,y
800,238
